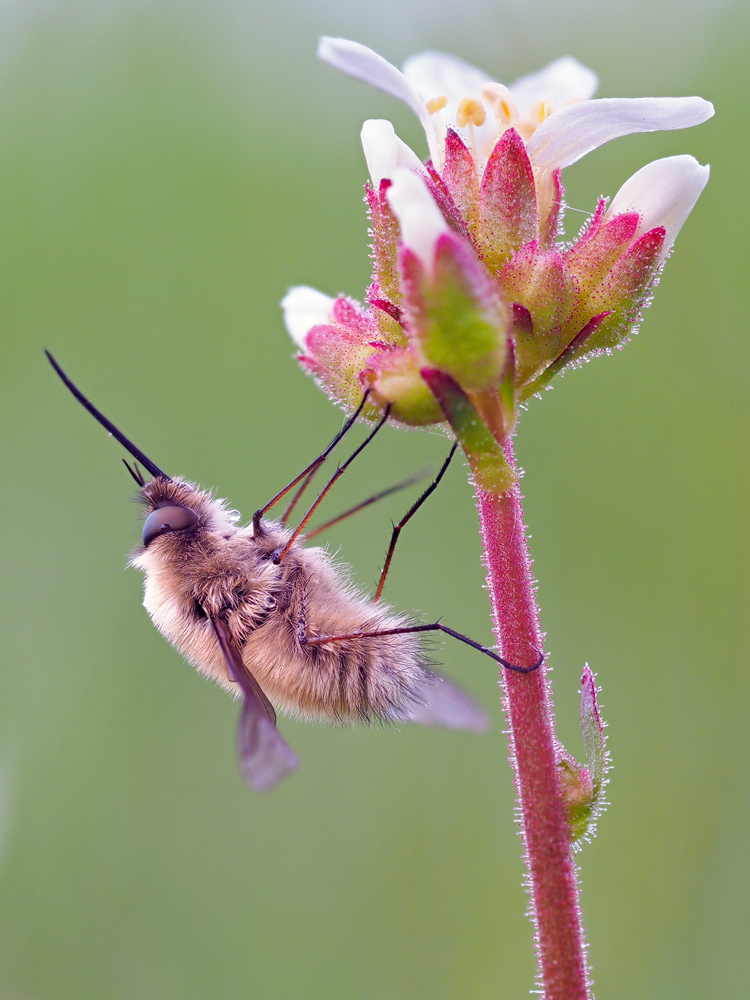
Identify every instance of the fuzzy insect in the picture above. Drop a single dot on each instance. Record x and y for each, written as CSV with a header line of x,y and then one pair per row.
x,y
272,620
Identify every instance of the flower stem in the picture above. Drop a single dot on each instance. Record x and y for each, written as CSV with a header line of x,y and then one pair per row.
x,y
559,937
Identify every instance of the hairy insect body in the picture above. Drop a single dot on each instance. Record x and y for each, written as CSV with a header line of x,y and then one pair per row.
x,y
222,571
275,622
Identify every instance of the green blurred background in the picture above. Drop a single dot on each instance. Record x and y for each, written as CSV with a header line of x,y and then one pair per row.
x,y
166,171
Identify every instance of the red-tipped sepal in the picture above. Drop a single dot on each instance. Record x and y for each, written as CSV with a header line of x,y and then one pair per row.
x,y
460,178
623,292
536,280
395,379
455,314
336,353
508,215
385,233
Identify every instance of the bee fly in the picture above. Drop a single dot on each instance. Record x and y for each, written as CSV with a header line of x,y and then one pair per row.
x,y
271,620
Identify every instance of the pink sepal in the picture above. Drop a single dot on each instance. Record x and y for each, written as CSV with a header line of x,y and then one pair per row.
x,y
385,234
460,177
377,302
353,318
523,325
624,290
536,279
456,313
507,201
396,379
336,357
594,224
548,228
591,258
337,352
444,201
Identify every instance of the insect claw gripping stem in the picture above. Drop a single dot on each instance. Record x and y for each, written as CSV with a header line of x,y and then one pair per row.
x,y
311,468
435,627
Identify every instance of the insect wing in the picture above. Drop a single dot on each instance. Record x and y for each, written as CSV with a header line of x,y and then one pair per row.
x,y
264,755
446,706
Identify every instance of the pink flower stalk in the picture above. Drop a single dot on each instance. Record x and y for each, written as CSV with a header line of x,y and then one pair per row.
x,y
475,304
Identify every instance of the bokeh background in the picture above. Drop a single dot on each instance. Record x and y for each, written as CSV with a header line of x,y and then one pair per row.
x,y
166,171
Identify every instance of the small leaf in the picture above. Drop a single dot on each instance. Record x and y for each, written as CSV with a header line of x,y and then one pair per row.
x,y
593,731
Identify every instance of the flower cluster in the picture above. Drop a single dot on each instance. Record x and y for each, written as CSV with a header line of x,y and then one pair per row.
x,y
475,304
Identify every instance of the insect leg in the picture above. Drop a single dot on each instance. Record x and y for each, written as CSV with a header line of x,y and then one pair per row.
x,y
409,514
434,627
366,503
278,556
300,490
311,468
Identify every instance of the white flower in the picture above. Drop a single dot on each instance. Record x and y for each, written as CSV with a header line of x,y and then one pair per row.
x,y
551,109
304,308
385,152
663,193
421,221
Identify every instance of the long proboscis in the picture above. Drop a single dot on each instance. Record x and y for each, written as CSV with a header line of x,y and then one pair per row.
x,y
146,462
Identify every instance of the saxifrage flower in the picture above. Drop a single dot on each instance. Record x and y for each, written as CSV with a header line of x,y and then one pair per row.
x,y
475,303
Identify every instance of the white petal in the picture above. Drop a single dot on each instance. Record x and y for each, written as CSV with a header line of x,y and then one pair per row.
x,y
435,73
573,131
564,81
663,193
385,152
362,63
305,308
421,221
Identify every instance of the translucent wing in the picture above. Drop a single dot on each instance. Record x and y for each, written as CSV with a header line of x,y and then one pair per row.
x,y
446,706
264,756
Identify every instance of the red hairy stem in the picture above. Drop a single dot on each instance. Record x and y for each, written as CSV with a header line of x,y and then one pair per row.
x,y
559,936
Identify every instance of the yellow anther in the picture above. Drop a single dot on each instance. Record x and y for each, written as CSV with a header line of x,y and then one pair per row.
x,y
470,112
540,111
501,101
436,104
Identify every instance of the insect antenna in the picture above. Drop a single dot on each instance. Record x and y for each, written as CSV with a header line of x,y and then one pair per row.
x,y
417,477
407,517
108,425
278,556
311,468
135,472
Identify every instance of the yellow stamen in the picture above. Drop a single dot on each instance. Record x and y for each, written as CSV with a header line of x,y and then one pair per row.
x,y
436,104
541,111
470,112
502,103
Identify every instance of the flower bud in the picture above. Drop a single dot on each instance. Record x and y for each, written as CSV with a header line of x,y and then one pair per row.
x,y
581,787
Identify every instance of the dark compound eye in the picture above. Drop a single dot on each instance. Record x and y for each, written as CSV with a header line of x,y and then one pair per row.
x,y
165,519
